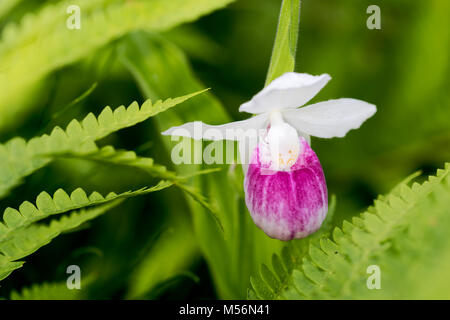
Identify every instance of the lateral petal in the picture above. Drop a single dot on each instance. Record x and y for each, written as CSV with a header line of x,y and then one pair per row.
x,y
332,118
230,131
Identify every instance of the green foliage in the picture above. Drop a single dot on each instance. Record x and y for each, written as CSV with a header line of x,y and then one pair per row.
x,y
231,258
417,53
47,291
172,245
46,33
285,47
19,158
8,266
61,202
148,275
19,236
7,5
407,225
54,290
109,155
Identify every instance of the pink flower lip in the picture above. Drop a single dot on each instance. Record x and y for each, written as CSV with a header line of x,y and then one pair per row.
x,y
287,204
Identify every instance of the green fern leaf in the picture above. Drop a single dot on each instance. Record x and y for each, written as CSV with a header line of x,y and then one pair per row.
x,y
396,234
47,291
20,236
129,158
61,202
6,267
109,155
285,47
26,240
53,291
19,158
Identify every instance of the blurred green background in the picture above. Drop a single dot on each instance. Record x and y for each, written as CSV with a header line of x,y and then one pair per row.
x,y
151,247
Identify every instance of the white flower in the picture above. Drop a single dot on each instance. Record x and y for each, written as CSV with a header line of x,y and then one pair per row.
x,y
285,187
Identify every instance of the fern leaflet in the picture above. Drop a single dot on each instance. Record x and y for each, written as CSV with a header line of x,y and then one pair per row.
x,y
47,291
19,236
109,155
60,202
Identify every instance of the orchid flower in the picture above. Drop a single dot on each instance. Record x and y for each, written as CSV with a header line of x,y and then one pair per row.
x,y
285,188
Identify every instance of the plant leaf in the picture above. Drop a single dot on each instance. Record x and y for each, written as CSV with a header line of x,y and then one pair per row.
x,y
19,158
285,47
43,43
47,291
20,236
109,155
60,202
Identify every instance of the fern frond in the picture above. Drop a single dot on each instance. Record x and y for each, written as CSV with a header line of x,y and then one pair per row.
x,y
43,43
109,155
53,290
388,234
47,291
19,158
61,202
20,237
24,241
6,266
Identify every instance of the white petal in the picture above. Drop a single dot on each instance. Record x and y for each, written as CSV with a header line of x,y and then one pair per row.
x,y
247,132
332,118
291,90
230,131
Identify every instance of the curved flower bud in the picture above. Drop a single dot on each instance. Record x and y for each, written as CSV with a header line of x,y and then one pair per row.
x,y
287,204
